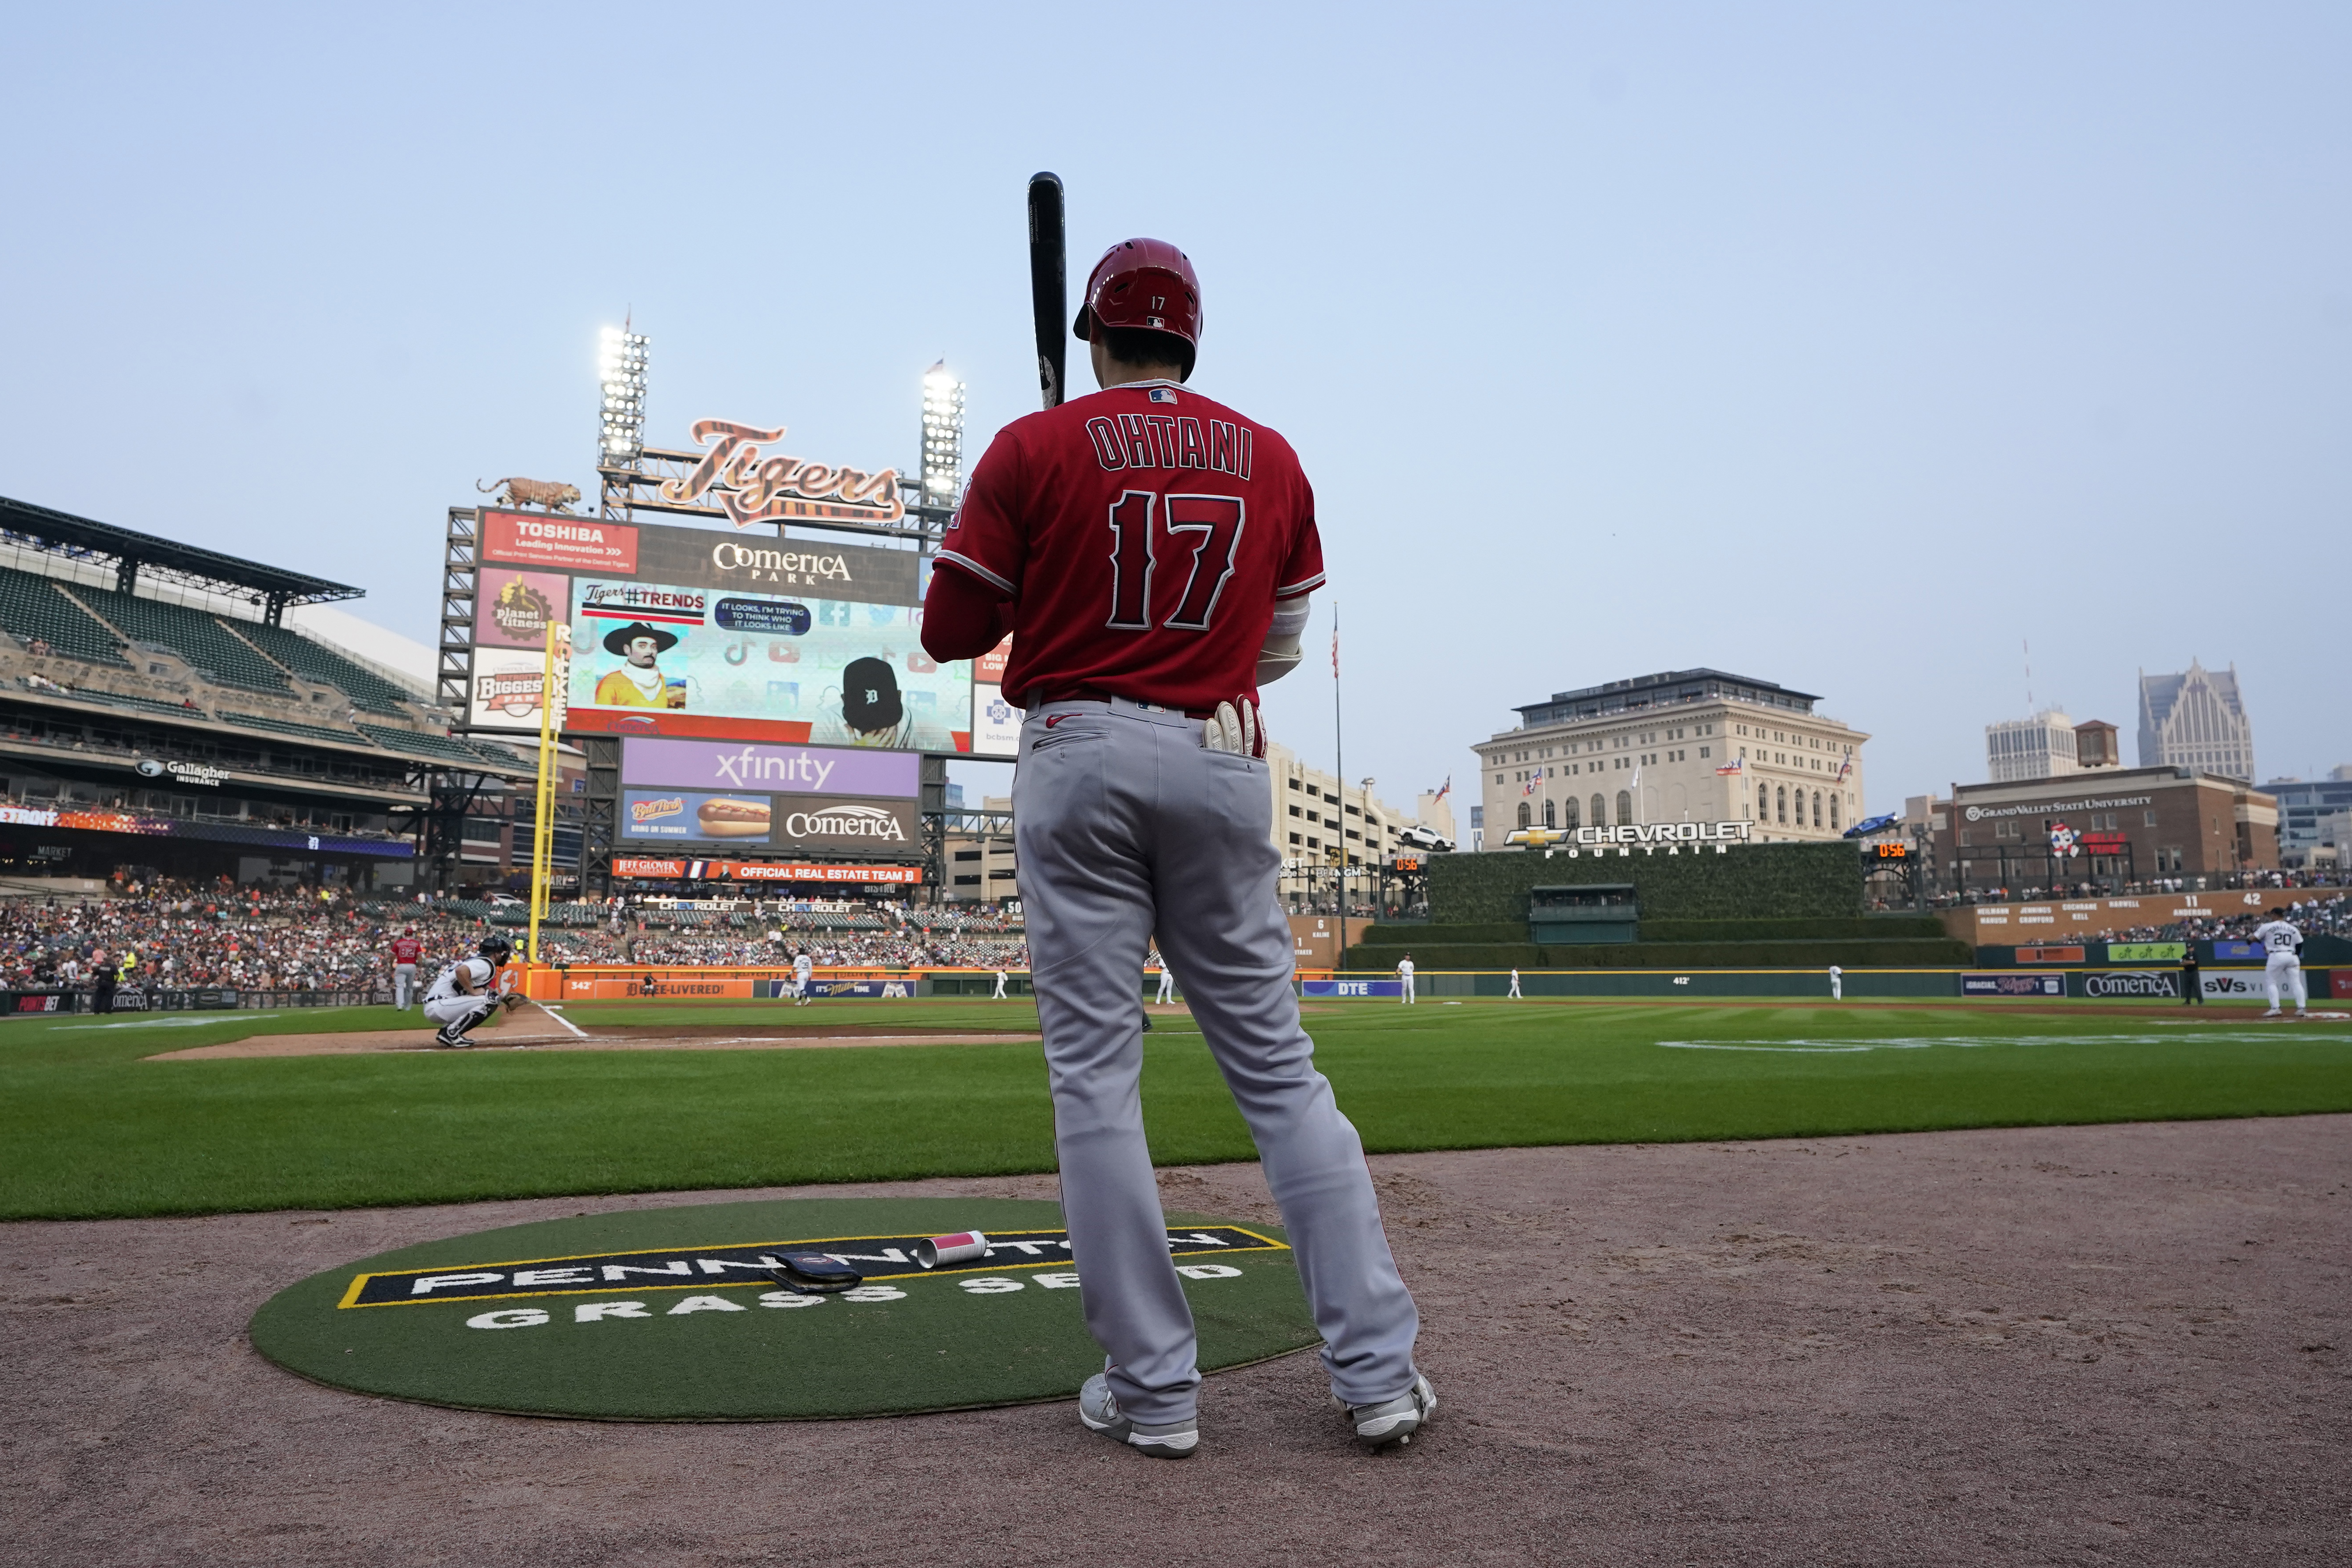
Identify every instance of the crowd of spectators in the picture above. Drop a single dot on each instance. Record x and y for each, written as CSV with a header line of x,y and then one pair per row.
x,y
2313,916
177,936
2307,878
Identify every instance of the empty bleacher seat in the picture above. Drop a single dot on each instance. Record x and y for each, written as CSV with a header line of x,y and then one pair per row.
x,y
202,641
32,607
285,726
154,705
438,746
367,690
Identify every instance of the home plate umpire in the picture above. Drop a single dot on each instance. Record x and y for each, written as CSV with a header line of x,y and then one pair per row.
x,y
1153,553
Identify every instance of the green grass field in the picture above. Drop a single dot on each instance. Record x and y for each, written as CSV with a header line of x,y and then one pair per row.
x,y
89,1129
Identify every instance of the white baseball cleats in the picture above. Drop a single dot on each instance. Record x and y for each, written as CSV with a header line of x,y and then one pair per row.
x,y
1390,1424
1392,1421
1098,1408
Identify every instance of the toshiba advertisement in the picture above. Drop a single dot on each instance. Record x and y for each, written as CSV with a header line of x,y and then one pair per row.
x,y
709,633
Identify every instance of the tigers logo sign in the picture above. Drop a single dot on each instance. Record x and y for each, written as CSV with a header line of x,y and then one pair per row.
x,y
749,488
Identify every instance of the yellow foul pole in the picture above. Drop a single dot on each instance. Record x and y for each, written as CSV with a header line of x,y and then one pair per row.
x,y
554,703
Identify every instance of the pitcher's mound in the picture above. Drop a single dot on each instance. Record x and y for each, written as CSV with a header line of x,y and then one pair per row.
x,y
542,1035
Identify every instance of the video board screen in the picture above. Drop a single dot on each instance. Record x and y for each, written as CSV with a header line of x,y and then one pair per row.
x,y
712,634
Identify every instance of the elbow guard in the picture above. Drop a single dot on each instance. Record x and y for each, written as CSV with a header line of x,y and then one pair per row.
x,y
1281,655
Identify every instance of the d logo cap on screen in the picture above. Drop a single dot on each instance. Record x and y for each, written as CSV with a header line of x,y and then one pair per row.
x,y
869,696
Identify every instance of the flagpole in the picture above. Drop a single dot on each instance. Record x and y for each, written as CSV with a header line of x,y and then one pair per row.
x,y
1339,760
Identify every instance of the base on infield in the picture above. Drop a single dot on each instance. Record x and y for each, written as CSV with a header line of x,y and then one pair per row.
x,y
666,1315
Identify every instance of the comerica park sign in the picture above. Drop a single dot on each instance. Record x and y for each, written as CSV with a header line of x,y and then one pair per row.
x,y
1675,838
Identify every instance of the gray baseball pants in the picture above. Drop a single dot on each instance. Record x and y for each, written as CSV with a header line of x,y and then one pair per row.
x,y
1125,824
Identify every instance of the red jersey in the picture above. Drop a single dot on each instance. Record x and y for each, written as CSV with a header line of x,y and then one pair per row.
x,y
407,949
1144,534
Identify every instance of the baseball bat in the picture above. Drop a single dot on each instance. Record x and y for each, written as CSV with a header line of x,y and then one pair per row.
x,y
1048,285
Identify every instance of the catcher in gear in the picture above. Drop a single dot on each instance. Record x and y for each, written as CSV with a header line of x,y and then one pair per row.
x,y
471,990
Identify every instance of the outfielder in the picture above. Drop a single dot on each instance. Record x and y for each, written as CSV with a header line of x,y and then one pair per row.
x,y
406,950
1151,551
1837,984
2283,963
467,991
1515,985
1404,979
1167,983
998,995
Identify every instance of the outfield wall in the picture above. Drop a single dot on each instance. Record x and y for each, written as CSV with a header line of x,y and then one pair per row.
x,y
1747,882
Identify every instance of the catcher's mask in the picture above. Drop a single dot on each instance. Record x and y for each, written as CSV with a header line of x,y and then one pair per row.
x,y
497,949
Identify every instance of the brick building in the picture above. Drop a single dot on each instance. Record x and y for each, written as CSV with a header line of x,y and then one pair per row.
x,y
2127,825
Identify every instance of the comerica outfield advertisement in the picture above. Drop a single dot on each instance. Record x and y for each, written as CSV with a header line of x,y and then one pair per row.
x,y
698,633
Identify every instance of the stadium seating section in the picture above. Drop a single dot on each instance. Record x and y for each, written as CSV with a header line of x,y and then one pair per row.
x,y
440,747
32,607
196,637
496,756
159,708
368,691
284,726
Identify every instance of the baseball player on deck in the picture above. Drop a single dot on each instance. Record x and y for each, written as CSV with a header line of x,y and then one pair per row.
x,y
2283,963
406,950
1151,552
467,991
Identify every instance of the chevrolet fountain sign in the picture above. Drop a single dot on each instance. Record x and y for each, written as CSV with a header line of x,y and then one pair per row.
x,y
1675,838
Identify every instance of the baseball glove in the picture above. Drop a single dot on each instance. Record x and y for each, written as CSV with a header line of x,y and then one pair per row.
x,y
811,1273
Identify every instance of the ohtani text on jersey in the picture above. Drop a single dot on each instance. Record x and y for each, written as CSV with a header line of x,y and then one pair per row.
x,y
1172,441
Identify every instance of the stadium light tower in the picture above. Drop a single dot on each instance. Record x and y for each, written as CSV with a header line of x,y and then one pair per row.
x,y
621,375
942,436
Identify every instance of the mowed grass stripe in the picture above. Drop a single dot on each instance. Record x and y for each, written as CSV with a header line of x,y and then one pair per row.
x,y
88,1129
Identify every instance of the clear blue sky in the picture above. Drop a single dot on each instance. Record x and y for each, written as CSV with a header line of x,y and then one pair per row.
x,y
1841,346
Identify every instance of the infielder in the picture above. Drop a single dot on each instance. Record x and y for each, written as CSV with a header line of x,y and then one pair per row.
x,y
406,950
803,972
1167,983
1404,979
2283,963
467,991
1151,551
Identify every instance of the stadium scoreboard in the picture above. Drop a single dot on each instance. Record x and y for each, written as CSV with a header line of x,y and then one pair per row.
x,y
711,635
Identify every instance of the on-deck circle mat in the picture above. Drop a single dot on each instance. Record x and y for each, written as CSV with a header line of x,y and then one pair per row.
x,y
663,1315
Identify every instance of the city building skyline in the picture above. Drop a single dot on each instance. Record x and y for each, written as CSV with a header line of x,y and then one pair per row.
x,y
2196,719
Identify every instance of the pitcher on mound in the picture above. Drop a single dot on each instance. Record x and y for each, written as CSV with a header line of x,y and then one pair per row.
x,y
1153,553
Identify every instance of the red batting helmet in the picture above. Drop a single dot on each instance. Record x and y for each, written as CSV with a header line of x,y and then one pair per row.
x,y
1143,283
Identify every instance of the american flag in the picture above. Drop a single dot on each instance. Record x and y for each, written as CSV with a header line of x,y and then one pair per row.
x,y
1443,790
1533,779
1734,766
1844,768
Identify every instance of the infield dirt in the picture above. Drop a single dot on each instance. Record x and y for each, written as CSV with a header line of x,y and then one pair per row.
x,y
2101,1344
